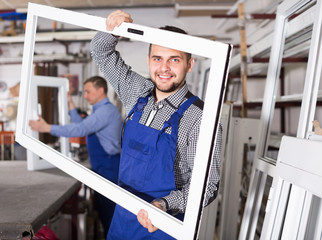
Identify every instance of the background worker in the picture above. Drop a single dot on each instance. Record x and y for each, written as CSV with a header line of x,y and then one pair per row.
x,y
160,133
102,129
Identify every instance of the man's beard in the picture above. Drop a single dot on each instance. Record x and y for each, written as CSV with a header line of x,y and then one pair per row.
x,y
172,88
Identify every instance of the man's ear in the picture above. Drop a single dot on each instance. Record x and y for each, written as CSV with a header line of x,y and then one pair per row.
x,y
101,91
191,63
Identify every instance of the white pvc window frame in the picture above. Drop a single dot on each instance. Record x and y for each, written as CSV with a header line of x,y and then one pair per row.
x,y
33,160
246,129
219,53
285,10
204,76
285,218
262,164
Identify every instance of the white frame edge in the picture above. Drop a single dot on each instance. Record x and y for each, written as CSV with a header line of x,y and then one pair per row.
x,y
262,167
304,176
33,161
219,67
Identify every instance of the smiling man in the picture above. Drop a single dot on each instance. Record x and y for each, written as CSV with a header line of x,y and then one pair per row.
x,y
160,133
168,68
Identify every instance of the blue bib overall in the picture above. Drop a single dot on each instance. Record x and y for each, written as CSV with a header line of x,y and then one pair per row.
x,y
102,163
107,166
146,169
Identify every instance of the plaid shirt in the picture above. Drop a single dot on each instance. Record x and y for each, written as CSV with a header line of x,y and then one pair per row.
x,y
129,86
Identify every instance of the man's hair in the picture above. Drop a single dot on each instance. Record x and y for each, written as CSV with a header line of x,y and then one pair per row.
x,y
98,82
177,30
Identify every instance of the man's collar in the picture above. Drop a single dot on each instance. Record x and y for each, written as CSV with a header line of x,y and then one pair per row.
x,y
176,98
100,103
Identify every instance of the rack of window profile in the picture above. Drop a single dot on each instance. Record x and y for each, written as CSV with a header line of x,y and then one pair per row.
x,y
297,43
264,167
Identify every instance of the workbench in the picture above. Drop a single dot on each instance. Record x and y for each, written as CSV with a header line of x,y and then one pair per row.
x,y
29,198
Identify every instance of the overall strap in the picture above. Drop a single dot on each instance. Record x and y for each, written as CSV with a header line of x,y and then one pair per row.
x,y
175,117
138,108
137,111
183,107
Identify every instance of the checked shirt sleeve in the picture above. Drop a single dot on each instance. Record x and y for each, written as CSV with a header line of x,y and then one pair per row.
x,y
177,200
128,84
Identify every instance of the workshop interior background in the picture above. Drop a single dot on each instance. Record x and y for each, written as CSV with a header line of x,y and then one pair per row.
x,y
63,50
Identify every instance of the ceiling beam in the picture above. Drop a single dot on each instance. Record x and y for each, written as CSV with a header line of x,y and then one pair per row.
x,y
184,10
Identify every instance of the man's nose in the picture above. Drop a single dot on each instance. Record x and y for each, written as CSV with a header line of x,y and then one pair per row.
x,y
165,65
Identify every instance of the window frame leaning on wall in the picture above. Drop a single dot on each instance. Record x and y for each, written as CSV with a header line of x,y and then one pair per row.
x,y
218,52
263,165
34,162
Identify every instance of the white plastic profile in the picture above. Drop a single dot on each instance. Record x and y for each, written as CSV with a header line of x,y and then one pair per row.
x,y
262,164
62,84
219,53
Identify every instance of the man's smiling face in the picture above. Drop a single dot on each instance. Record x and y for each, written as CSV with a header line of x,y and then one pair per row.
x,y
168,68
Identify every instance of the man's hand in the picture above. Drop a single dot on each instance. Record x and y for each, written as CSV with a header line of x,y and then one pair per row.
x,y
116,18
71,104
41,125
143,218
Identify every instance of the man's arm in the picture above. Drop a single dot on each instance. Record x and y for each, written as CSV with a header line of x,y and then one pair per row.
x,y
91,124
41,125
74,116
116,18
71,104
128,85
177,200
144,219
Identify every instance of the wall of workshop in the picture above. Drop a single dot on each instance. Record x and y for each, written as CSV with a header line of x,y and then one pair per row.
x,y
134,53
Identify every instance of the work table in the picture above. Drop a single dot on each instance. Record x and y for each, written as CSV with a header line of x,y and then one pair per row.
x,y
29,198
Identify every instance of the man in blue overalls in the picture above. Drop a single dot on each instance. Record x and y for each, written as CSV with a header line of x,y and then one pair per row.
x,y
102,130
159,135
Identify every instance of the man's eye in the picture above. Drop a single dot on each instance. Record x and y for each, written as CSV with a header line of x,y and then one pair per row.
x,y
175,60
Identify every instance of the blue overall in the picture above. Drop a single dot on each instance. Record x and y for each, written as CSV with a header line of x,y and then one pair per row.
x,y
146,169
107,166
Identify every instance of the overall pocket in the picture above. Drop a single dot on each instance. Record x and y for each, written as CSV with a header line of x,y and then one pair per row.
x,y
134,164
